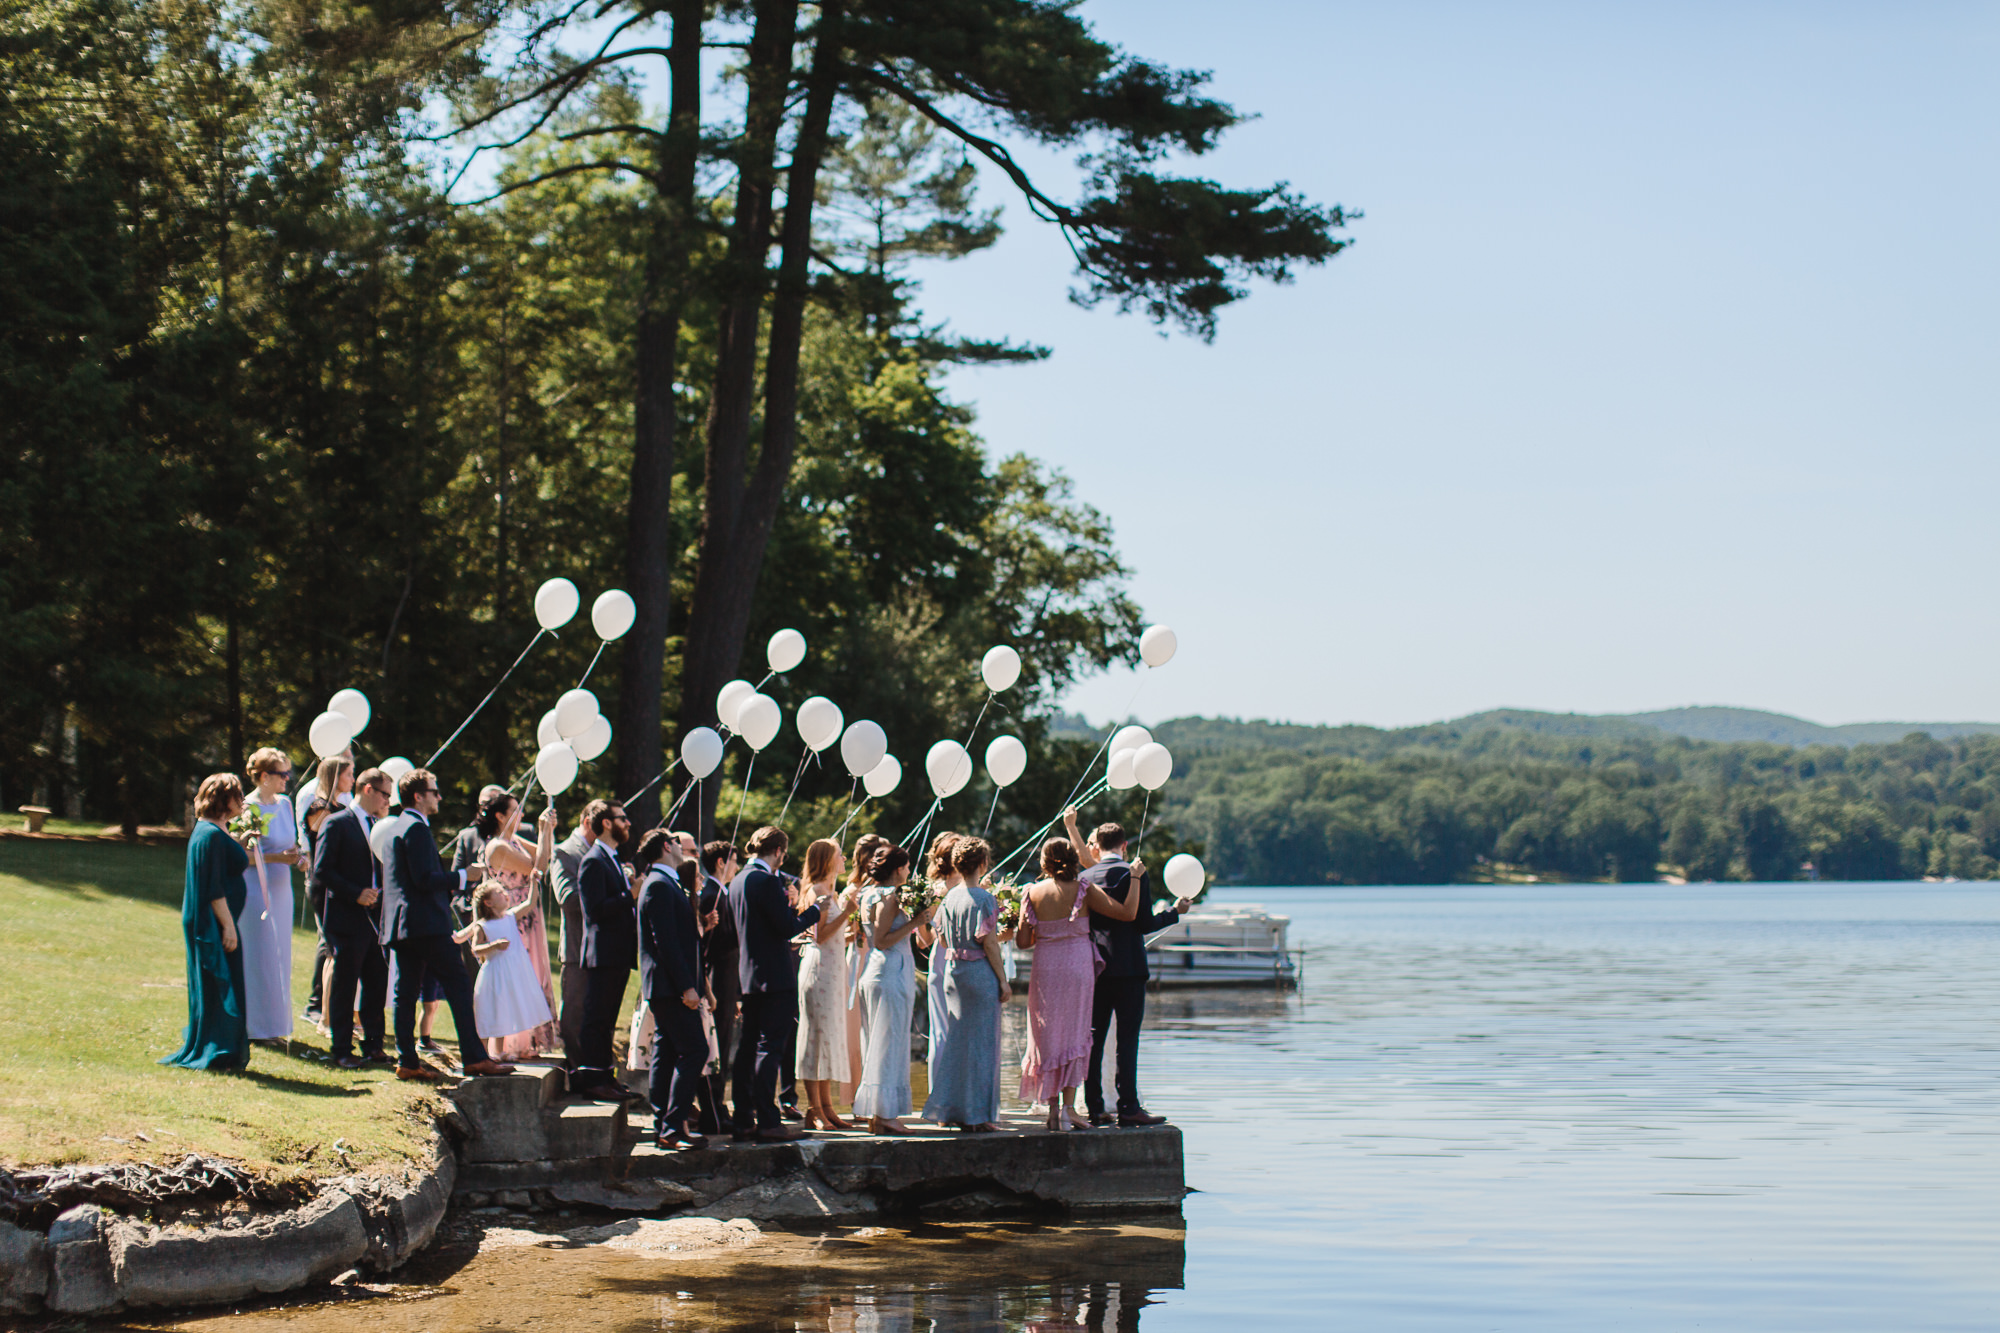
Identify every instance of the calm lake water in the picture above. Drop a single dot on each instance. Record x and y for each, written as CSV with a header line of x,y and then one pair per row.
x,y
1740,1107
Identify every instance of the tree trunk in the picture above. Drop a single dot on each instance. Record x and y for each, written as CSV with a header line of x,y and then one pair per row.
x,y
721,600
649,549
233,683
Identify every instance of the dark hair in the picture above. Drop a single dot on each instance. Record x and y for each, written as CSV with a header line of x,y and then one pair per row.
x,y
884,862
590,812
713,854
767,840
939,859
1059,859
603,817
368,777
412,782
866,846
652,847
1109,835
969,856
492,809
217,793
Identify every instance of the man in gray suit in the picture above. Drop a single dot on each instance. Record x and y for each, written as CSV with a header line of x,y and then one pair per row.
x,y
564,868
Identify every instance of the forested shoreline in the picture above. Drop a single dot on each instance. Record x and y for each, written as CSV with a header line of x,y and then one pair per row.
x,y
1443,804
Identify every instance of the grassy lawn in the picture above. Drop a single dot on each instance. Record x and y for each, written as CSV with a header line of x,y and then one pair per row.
x,y
91,996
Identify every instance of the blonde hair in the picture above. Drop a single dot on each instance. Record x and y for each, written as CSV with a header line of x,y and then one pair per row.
x,y
819,859
264,761
329,776
486,893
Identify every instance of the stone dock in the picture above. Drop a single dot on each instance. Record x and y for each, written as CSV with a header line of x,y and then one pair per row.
x,y
524,1144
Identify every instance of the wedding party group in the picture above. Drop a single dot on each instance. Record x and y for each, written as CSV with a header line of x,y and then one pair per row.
x,y
766,997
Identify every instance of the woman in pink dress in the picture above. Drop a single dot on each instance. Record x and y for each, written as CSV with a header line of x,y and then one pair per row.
x,y
1064,976
509,859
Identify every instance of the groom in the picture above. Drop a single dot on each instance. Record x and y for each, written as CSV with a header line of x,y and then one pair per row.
x,y
1121,987
417,924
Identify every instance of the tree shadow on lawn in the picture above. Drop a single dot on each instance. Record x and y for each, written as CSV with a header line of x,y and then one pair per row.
x,y
304,1087
148,873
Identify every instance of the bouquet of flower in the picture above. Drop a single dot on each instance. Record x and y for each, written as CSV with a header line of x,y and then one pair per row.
x,y
915,896
250,825
1010,895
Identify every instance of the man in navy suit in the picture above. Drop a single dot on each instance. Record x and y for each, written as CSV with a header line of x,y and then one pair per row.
x,y
351,919
417,923
1121,987
610,951
719,864
671,982
765,924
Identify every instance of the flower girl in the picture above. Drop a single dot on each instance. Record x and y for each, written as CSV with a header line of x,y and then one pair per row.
x,y
507,999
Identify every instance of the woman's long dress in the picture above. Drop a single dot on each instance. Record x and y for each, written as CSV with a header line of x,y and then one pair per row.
x,y
267,940
216,1036
965,1034
533,940
823,1008
888,1002
1059,995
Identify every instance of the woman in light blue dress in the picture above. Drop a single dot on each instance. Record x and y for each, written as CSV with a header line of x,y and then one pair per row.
x,y
888,994
965,1035
266,924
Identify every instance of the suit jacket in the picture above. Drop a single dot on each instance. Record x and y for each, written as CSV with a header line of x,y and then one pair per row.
x,y
416,888
669,937
564,867
765,924
610,921
1123,943
465,850
719,947
344,869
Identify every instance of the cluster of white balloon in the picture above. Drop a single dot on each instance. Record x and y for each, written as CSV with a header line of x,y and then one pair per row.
x,y
576,731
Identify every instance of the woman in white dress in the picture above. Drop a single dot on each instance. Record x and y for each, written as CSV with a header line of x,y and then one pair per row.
x,y
822,1059
888,994
266,928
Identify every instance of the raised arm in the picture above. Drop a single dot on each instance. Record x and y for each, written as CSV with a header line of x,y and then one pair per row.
x,y
1086,855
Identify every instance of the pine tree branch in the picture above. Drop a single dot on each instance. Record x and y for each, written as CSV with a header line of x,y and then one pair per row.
x,y
542,178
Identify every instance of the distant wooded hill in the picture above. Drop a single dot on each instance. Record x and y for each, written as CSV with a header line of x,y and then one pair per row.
x,y
1705,793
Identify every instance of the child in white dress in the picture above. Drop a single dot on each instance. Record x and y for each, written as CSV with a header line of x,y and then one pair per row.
x,y
507,999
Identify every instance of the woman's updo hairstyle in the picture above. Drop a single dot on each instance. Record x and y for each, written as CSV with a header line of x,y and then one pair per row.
x,y
940,860
494,804
857,868
969,856
884,862
1059,859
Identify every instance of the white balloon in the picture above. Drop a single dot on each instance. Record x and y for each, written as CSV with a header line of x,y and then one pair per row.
x,y
378,837
1130,738
545,730
330,732
758,719
1185,876
612,614
948,767
596,739
862,746
395,766
555,768
353,704
1006,760
701,751
555,603
1120,775
884,777
819,722
1000,668
786,650
730,698
575,711
1152,764
1157,646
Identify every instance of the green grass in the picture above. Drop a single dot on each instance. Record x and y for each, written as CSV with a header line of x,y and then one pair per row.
x,y
92,995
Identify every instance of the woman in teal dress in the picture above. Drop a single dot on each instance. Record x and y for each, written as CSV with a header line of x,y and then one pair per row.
x,y
217,1035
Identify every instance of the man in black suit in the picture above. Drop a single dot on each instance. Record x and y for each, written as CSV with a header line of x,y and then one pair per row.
x,y
1121,986
417,923
765,924
719,864
564,867
670,980
610,951
351,919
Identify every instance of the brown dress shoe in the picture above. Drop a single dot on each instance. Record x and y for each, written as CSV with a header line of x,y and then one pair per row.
x,y
421,1074
488,1068
781,1134
1139,1118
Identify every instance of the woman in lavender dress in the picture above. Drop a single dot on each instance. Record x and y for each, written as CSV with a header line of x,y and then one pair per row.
x,y
1061,985
266,924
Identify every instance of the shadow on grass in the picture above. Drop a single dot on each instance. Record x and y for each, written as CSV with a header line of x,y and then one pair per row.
x,y
150,874
304,1087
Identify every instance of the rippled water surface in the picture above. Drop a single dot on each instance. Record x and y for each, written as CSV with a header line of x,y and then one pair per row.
x,y
1739,1107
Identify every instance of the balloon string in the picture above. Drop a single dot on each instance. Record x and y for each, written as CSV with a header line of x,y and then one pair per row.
x,y
602,645
966,745
652,784
748,770
936,805
809,754
1141,835
489,695
526,772
1101,785
1113,731
667,819
842,830
997,789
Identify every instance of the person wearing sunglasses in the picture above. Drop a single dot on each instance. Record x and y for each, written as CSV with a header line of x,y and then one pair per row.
x,y
417,925
266,927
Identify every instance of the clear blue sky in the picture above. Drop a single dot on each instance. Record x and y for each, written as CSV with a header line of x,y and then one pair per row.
x,y
1663,369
